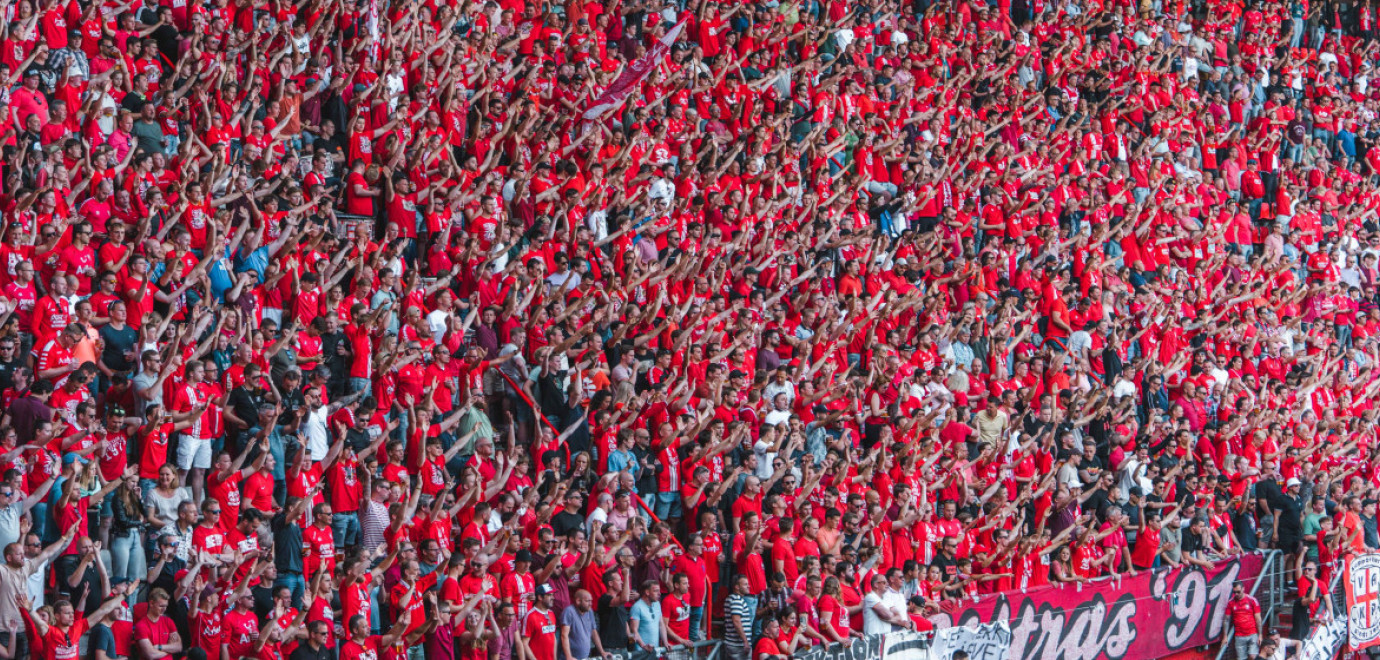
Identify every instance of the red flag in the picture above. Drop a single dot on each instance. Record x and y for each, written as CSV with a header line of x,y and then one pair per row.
x,y
618,92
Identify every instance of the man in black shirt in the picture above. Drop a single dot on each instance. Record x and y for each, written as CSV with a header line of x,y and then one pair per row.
x,y
569,518
1100,499
947,560
357,437
318,633
79,576
263,591
287,546
1288,512
242,412
1090,467
8,362
1195,546
167,565
613,611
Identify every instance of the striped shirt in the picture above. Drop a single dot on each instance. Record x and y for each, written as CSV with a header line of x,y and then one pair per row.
x,y
745,609
373,520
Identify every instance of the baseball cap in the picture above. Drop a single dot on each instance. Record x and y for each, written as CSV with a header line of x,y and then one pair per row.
x,y
543,589
72,457
1291,482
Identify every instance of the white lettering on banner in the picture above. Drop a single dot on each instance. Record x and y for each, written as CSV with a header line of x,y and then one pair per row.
x,y
1178,608
1325,641
1191,598
1083,633
990,641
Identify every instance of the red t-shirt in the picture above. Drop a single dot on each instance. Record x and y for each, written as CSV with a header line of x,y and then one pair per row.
x,y
154,452
676,611
207,631
59,645
227,492
258,491
157,632
1242,613
540,630
241,631
318,550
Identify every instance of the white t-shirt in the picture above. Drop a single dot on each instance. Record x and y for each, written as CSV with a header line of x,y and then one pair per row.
x,y
872,623
318,435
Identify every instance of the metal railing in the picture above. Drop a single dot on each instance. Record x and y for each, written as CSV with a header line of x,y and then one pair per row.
x,y
1271,580
702,650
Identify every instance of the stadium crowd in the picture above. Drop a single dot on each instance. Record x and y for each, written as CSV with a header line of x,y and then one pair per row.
x,y
339,329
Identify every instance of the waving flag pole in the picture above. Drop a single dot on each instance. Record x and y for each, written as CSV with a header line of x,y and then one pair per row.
x,y
636,72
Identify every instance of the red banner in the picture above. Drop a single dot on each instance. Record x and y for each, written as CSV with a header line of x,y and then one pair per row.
x,y
1151,615
633,75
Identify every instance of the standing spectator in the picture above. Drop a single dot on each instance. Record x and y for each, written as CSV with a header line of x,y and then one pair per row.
x,y
1244,612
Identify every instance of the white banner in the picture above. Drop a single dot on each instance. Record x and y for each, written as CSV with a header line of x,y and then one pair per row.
x,y
1363,600
990,641
1325,641
905,646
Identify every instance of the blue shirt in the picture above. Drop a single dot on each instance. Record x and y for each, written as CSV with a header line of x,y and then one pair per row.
x,y
648,618
620,460
256,260
221,281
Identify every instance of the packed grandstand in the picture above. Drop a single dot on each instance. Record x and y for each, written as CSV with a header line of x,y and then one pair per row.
x,y
403,330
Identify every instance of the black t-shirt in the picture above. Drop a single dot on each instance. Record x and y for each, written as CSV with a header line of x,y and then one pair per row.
x,y
263,600
167,579
1193,543
117,342
358,439
565,521
66,566
1098,503
7,373
947,566
287,545
102,639
245,404
1133,519
334,145
613,624
1093,465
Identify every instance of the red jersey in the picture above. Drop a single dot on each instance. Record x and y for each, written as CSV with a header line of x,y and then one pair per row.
x,y
539,627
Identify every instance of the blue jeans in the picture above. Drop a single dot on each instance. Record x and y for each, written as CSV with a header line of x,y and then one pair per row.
x,y
295,582
345,528
127,556
359,385
667,505
696,623
756,620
